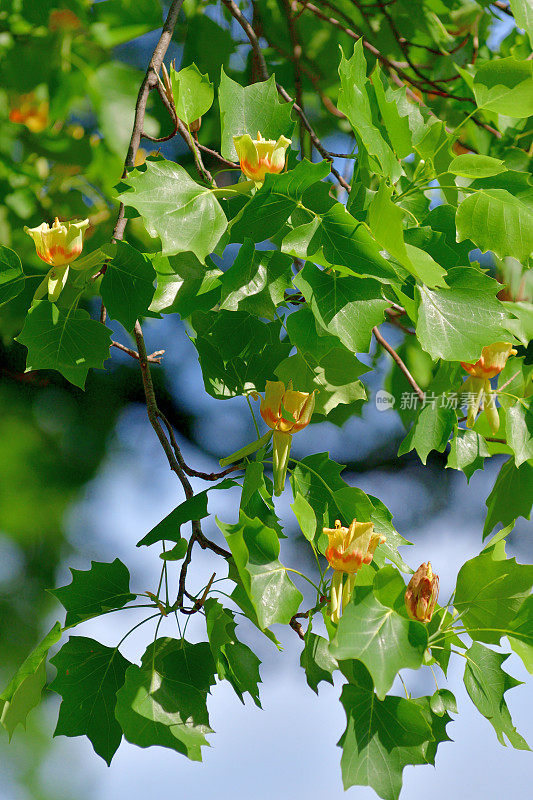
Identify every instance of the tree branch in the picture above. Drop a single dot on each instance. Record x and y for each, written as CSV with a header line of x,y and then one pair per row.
x,y
392,352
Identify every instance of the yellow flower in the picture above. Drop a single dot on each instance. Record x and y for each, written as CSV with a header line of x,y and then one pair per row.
x,y
259,156
422,593
347,551
477,385
60,244
286,411
493,360
31,112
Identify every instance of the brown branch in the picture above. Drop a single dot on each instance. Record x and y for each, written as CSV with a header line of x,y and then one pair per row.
x,y
236,13
503,7
389,63
392,352
149,81
214,154
193,473
314,138
153,358
288,8
296,626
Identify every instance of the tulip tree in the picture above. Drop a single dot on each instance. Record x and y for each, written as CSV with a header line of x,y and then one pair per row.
x,y
288,265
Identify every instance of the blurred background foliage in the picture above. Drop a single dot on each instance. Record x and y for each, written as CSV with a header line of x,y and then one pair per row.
x,y
69,76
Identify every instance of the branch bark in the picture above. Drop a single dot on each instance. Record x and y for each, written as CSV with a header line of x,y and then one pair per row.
x,y
392,352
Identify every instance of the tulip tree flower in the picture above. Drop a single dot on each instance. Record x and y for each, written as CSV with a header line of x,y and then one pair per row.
x,y
285,411
31,112
259,156
347,551
477,385
58,245
422,593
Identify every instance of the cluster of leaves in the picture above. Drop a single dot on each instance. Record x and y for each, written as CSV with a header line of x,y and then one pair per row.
x,y
313,272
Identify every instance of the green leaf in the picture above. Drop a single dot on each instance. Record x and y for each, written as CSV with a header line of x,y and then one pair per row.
x,y
24,690
11,275
317,661
398,115
522,327
335,237
88,677
177,552
256,281
505,86
185,285
379,637
490,590
355,103
103,587
67,341
234,661
163,702
467,452
113,87
250,109
472,165
193,93
318,480
511,496
183,214
305,515
256,497
442,701
237,352
118,21
127,287
247,450
255,549
322,363
519,428
456,323
384,736
96,258
431,430
495,220
521,633
523,14
347,308
273,203
486,683
194,508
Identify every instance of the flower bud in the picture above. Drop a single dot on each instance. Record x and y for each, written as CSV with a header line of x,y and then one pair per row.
x,y
477,385
422,593
60,244
259,156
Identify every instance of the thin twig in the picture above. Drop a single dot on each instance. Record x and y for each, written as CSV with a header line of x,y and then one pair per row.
x,y
153,358
236,13
193,473
149,81
296,626
392,352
